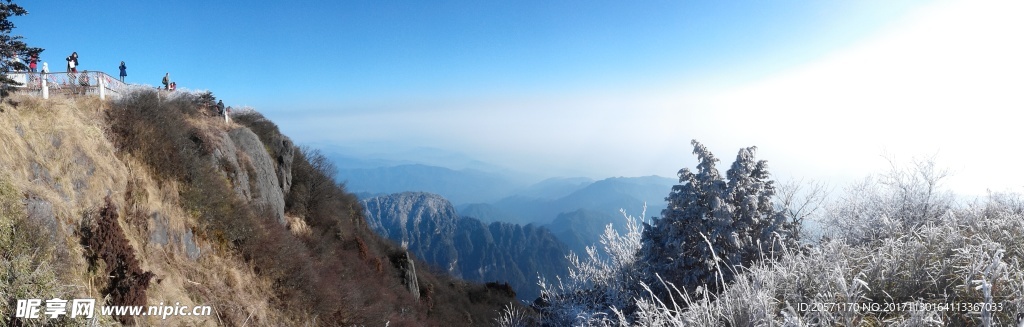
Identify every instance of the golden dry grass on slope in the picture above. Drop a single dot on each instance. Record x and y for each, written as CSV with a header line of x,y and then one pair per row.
x,y
57,151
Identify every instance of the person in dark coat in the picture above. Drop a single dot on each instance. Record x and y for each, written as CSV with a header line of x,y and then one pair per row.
x,y
72,67
124,71
73,62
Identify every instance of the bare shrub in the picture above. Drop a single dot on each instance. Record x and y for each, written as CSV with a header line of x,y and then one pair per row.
x,y
153,128
106,243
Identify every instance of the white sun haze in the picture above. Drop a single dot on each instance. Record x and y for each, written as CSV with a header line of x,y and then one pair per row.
x,y
948,81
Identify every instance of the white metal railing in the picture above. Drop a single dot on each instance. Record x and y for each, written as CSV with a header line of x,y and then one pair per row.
x,y
71,83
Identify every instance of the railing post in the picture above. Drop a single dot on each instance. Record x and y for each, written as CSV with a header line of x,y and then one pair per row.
x,y
103,95
46,88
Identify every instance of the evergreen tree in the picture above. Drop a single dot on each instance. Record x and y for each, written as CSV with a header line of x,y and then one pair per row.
x,y
714,225
12,45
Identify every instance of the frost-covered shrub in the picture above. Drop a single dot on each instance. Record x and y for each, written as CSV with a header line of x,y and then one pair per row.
x,y
513,316
970,256
599,286
890,204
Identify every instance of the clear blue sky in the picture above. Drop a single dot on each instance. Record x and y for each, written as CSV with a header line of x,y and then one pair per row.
x,y
596,87
341,52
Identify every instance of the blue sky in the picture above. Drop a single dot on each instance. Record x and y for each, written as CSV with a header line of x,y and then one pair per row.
x,y
597,88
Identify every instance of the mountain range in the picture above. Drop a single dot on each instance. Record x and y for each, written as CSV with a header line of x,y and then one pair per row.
x,y
428,226
573,209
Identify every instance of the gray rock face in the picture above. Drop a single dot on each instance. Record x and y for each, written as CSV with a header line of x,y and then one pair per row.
x,y
251,170
41,212
191,247
159,231
285,151
408,268
424,223
162,234
263,184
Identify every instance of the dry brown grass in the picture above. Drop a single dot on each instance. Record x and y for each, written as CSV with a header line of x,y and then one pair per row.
x,y
298,226
66,139
56,151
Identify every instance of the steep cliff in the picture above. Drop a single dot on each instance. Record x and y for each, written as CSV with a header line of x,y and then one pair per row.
x,y
253,174
422,222
465,247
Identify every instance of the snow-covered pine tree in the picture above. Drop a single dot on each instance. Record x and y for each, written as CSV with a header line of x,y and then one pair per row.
x,y
713,227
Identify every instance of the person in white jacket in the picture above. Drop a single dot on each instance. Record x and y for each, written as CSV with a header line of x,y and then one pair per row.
x,y
45,70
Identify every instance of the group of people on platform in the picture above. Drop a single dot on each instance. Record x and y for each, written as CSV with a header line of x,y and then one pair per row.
x,y
82,81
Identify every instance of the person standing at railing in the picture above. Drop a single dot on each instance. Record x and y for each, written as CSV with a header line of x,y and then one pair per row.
x,y
123,70
32,60
72,67
44,71
73,62
83,82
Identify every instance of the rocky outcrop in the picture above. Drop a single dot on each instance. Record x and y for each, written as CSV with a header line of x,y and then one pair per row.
x,y
285,156
161,233
41,212
253,173
405,264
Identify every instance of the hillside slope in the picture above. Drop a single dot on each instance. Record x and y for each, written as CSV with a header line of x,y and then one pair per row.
x,y
151,199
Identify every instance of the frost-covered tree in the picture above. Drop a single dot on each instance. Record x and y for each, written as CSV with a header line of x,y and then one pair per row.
x,y
714,225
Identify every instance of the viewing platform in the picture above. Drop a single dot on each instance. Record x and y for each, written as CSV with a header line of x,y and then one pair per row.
x,y
68,83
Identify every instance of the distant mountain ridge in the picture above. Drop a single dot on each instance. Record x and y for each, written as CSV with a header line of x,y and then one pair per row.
x,y
429,227
458,186
582,228
557,187
606,196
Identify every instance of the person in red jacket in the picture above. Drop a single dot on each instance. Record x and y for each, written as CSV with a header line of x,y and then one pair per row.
x,y
32,62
